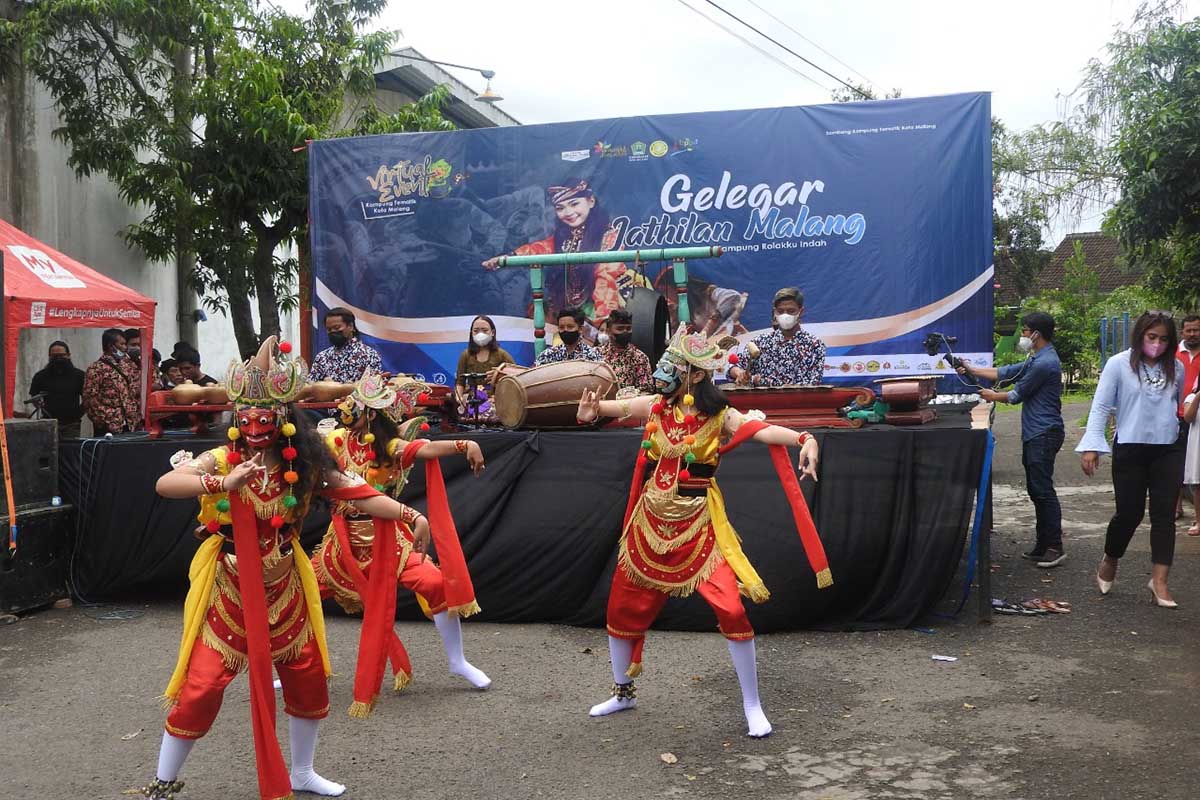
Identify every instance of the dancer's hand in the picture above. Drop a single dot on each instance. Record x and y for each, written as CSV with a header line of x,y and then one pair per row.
x,y
809,457
243,472
421,536
589,407
1089,462
474,457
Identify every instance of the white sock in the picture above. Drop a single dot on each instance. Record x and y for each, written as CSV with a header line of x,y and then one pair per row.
x,y
277,684
171,755
304,746
450,629
620,654
746,665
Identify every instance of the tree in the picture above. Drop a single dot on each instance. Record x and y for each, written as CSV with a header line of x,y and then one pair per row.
x,y
860,91
1076,311
199,111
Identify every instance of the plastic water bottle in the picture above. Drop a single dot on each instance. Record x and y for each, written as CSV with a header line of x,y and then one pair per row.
x,y
56,501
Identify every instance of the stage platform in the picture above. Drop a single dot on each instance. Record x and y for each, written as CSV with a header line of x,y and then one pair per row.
x,y
540,526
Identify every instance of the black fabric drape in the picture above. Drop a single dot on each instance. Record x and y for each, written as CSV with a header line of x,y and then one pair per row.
x,y
540,527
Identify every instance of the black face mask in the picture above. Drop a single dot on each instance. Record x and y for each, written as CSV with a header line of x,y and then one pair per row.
x,y
338,339
622,339
569,337
60,363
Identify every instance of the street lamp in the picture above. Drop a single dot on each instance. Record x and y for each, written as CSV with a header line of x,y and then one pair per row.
x,y
487,96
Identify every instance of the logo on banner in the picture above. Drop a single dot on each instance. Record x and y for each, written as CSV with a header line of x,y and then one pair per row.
x,y
606,150
47,270
576,155
658,148
637,151
399,185
37,312
685,145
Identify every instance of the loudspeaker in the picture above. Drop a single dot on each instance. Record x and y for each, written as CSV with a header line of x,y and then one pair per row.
x,y
37,576
33,456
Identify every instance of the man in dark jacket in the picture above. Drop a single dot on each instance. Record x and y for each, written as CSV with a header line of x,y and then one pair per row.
x,y
61,384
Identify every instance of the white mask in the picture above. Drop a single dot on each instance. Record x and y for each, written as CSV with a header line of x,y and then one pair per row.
x,y
602,339
482,339
786,321
1025,344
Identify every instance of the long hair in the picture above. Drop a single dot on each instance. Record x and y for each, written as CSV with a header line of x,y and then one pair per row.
x,y
709,400
313,458
1167,361
473,348
385,431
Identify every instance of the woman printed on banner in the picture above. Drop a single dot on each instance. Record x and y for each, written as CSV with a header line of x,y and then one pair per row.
x,y
581,226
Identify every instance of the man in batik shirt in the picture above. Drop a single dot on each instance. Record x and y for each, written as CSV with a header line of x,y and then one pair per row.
x,y
349,358
788,355
112,393
630,364
573,348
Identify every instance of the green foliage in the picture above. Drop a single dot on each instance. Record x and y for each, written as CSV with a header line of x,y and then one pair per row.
x,y
1076,312
199,111
860,92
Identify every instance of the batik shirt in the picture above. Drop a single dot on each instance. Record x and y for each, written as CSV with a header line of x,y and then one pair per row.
x,y
552,355
631,366
798,362
345,365
112,395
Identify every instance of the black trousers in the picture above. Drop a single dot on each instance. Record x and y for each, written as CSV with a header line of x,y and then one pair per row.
x,y
1138,470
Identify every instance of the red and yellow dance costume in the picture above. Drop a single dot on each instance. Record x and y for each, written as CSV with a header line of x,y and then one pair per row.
x,y
346,560
677,537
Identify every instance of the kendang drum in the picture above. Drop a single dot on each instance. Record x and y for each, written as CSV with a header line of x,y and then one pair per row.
x,y
547,397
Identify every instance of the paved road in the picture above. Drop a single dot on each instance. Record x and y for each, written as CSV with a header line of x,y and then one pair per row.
x,y
1098,704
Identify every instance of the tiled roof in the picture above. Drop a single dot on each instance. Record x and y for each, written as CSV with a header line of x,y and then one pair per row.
x,y
1102,254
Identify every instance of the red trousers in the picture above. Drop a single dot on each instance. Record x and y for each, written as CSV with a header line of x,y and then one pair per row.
x,y
632,609
419,575
305,691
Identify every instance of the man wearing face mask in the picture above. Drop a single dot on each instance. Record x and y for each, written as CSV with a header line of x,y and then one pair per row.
x,y
112,389
788,355
573,348
630,364
348,358
62,384
1037,384
1189,356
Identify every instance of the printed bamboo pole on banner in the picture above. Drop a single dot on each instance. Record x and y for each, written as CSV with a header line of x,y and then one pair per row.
x,y
536,264
8,486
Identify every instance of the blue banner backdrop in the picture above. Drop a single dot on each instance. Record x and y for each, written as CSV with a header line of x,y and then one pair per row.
x,y
881,212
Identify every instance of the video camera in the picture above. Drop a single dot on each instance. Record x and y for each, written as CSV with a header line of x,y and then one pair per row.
x,y
933,344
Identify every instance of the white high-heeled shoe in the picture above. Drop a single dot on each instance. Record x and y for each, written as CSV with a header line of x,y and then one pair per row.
x,y
1104,586
1158,601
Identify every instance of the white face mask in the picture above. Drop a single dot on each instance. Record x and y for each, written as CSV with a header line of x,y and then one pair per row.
x,y
602,339
482,339
786,321
1025,344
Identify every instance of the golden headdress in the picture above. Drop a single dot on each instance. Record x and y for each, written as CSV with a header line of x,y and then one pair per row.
x,y
270,378
398,397
699,350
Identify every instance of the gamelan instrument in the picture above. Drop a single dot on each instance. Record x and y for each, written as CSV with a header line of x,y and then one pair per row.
x,y
801,406
547,397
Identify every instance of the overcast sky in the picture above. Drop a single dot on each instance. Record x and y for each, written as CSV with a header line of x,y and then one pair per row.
x,y
557,61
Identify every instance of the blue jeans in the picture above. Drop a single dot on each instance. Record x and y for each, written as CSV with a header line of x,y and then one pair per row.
x,y
1037,456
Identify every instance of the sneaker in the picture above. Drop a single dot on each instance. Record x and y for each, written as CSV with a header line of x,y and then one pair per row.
x,y
1052,558
1034,554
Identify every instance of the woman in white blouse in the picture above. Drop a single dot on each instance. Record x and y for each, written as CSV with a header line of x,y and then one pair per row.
x,y
1143,386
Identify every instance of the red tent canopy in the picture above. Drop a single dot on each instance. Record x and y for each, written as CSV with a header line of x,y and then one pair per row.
x,y
44,288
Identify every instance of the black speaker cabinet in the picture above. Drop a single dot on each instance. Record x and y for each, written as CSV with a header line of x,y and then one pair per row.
x,y
37,575
33,456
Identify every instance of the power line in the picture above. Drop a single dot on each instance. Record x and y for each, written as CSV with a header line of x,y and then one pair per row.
x,y
779,44
814,44
752,45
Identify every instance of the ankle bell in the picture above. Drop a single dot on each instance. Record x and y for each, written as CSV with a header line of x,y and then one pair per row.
x,y
624,691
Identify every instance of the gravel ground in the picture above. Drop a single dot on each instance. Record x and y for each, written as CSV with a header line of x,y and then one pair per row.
x,y
1099,703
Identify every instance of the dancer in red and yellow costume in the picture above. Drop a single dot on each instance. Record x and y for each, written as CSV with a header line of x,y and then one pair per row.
x,y
677,538
254,601
379,441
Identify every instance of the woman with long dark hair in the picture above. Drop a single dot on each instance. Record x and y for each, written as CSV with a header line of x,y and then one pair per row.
x,y
482,356
581,225
1143,386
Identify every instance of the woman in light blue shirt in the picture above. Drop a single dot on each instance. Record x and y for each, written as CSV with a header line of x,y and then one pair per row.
x,y
1143,386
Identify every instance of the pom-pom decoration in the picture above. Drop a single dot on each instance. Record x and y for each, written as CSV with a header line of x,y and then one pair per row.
x,y
424,427
423,398
285,347
277,521
689,400
223,505
652,427
290,501
658,407
733,358
379,487
685,475
647,444
288,429
212,526
689,419
234,434
689,457
233,459
369,438
689,439
338,441
291,476
290,453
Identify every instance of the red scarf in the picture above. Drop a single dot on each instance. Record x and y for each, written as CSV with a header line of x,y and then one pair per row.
x,y
273,778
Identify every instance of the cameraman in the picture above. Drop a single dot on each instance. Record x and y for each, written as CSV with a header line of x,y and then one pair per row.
x,y
1038,385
